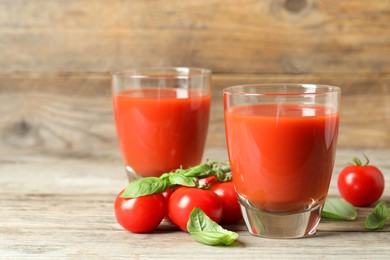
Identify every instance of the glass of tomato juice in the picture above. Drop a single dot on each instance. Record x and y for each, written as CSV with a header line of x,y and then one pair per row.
x,y
281,141
162,117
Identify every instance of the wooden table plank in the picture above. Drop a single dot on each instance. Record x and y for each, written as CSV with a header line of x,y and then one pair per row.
x,y
55,207
71,113
251,36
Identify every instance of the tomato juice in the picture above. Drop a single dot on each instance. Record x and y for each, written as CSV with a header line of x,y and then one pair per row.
x,y
282,155
160,130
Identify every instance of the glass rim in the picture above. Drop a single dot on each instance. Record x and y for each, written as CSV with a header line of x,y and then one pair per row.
x,y
161,72
260,89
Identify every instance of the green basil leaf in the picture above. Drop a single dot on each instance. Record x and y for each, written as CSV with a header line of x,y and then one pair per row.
x,y
206,231
164,176
179,179
201,170
378,217
144,186
338,209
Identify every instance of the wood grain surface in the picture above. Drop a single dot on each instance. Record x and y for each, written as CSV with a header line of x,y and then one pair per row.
x,y
56,57
53,207
71,113
227,36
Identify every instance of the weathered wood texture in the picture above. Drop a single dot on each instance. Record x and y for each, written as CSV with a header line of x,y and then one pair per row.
x,y
56,57
71,113
52,208
228,36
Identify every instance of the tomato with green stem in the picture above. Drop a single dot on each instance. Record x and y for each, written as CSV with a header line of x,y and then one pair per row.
x,y
361,184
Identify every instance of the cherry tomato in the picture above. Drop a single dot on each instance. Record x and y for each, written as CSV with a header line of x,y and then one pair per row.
x,y
167,194
231,211
361,185
184,199
142,214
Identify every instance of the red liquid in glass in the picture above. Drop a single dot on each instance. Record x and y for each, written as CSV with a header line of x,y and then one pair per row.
x,y
160,130
282,156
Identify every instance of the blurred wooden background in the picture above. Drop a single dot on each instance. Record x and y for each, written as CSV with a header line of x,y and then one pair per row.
x,y
55,59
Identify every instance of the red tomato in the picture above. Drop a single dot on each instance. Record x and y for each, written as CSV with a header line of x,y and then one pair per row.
x,y
142,214
167,194
361,185
231,208
185,199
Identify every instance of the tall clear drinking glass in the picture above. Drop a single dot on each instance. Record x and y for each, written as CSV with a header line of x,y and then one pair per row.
x,y
161,117
281,142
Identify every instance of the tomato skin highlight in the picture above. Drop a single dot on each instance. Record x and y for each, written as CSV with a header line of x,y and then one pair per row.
x,y
361,185
231,208
142,214
184,199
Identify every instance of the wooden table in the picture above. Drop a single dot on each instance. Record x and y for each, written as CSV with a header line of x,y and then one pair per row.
x,y
56,207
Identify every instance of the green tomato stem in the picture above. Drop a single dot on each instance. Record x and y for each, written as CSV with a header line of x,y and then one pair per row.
x,y
357,162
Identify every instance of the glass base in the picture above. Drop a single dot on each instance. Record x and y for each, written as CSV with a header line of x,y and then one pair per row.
x,y
281,225
131,174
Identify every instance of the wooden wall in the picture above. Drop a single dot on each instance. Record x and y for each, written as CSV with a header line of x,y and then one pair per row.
x,y
55,59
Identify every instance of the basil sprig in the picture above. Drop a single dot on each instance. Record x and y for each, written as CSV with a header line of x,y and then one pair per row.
x,y
183,177
378,217
338,209
206,231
